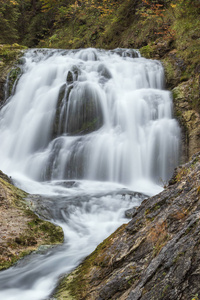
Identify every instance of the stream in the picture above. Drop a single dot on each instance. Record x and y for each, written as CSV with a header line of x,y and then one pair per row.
x,y
89,133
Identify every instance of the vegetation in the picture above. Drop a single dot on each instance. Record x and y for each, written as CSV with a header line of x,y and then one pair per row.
x,y
101,23
106,24
22,231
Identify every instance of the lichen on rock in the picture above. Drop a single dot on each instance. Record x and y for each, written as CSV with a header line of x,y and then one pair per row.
x,y
21,231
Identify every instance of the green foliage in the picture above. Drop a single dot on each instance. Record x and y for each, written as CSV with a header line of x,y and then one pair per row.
x,y
147,51
8,20
195,297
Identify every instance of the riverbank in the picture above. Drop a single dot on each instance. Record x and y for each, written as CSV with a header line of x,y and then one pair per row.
x,y
21,231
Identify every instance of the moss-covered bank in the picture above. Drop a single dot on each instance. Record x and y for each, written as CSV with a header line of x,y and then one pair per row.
x,y
9,62
21,231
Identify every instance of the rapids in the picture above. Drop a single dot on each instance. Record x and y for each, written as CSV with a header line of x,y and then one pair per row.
x,y
86,129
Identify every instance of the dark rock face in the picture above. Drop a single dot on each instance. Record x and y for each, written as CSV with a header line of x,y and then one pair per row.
x,y
78,109
84,111
156,256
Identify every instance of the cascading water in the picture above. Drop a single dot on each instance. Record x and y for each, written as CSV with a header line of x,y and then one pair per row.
x,y
86,126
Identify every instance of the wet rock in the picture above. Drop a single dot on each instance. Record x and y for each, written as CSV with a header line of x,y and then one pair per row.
x,y
129,213
84,110
59,119
70,77
104,71
125,52
13,78
21,61
76,72
155,256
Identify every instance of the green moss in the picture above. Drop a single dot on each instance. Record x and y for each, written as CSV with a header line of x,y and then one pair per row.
x,y
10,53
172,73
180,255
147,51
88,126
181,173
153,209
36,232
12,259
16,195
5,177
191,227
13,76
164,292
74,285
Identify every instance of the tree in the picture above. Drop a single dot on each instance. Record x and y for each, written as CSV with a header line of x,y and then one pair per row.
x,y
154,11
9,14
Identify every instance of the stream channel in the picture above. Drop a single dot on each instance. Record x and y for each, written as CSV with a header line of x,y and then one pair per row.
x,y
89,134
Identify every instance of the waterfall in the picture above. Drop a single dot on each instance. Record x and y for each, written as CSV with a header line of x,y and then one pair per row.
x,y
83,127
89,114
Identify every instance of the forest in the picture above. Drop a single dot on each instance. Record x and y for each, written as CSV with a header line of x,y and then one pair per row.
x,y
107,24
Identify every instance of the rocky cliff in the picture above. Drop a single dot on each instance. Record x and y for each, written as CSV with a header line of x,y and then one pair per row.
x,y
155,256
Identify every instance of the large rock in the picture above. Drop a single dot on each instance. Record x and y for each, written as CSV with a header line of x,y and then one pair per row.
x,y
79,110
155,256
188,117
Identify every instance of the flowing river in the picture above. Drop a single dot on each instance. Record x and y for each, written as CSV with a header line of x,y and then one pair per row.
x,y
91,132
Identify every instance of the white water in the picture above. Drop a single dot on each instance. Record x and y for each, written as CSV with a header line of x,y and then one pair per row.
x,y
114,133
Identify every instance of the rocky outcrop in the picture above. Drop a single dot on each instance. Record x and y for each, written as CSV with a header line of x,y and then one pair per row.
x,y
155,256
9,54
182,79
21,231
189,118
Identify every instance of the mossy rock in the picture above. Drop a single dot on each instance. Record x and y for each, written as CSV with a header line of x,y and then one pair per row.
x,y
70,77
72,287
13,78
10,53
9,57
172,72
22,230
147,51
